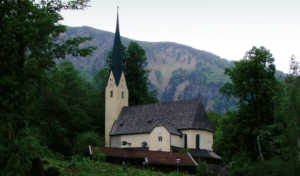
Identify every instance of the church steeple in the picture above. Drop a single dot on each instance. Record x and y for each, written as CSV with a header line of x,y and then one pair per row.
x,y
116,92
117,59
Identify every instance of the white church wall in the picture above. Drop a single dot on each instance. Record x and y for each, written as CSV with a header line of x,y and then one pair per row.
x,y
135,139
176,140
160,145
206,139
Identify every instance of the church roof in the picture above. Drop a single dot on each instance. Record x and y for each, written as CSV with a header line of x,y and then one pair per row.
x,y
117,59
174,116
201,153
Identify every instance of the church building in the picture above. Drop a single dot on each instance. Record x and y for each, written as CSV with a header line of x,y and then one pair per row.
x,y
165,126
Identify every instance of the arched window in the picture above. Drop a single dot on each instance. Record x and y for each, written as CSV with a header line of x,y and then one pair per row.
x,y
185,141
122,94
111,93
198,141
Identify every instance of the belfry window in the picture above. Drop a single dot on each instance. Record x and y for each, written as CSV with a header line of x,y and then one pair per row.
x,y
111,93
185,145
198,141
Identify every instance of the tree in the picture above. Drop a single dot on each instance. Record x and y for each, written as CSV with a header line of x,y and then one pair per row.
x,y
214,119
287,114
29,34
136,74
254,84
65,108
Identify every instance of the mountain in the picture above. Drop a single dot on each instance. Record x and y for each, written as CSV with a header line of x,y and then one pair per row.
x,y
178,71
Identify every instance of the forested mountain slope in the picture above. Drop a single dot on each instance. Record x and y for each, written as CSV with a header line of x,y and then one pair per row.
x,y
178,71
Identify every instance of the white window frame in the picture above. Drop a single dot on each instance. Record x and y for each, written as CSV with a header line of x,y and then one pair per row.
x,y
199,140
159,138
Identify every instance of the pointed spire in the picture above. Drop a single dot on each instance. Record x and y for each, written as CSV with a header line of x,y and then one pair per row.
x,y
117,59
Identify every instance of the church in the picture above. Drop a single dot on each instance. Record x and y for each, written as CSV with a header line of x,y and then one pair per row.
x,y
165,126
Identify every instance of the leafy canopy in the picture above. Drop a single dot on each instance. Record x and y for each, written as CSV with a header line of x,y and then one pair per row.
x,y
29,40
255,85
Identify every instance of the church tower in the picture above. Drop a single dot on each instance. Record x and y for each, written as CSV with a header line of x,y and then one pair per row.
x,y
116,92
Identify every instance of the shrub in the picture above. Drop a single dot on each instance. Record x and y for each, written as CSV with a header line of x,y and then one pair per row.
x,y
98,156
184,150
52,171
201,169
83,140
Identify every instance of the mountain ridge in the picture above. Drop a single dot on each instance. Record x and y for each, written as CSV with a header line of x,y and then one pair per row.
x,y
178,71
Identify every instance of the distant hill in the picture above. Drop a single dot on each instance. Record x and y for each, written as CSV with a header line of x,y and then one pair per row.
x,y
178,71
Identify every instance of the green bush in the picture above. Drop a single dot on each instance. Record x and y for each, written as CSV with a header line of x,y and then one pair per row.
x,y
52,171
184,150
83,140
98,156
202,168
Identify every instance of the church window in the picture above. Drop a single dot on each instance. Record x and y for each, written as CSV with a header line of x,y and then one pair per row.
x,y
122,94
198,141
159,130
111,93
185,145
159,138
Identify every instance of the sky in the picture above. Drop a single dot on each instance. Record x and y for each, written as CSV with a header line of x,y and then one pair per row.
x,y
227,28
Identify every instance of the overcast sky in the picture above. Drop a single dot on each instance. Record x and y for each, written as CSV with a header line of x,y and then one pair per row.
x,y
227,28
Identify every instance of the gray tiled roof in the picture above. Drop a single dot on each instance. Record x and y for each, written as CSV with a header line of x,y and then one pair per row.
x,y
174,115
202,153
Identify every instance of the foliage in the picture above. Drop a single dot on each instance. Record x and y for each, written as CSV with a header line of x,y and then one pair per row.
x,y
17,157
67,106
202,168
224,137
214,119
184,150
85,166
98,156
29,42
85,139
255,85
272,167
136,74
158,76
287,115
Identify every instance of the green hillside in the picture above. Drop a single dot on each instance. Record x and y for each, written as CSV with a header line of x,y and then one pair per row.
x,y
178,71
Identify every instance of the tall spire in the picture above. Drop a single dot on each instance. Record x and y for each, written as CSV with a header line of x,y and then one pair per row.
x,y
117,59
